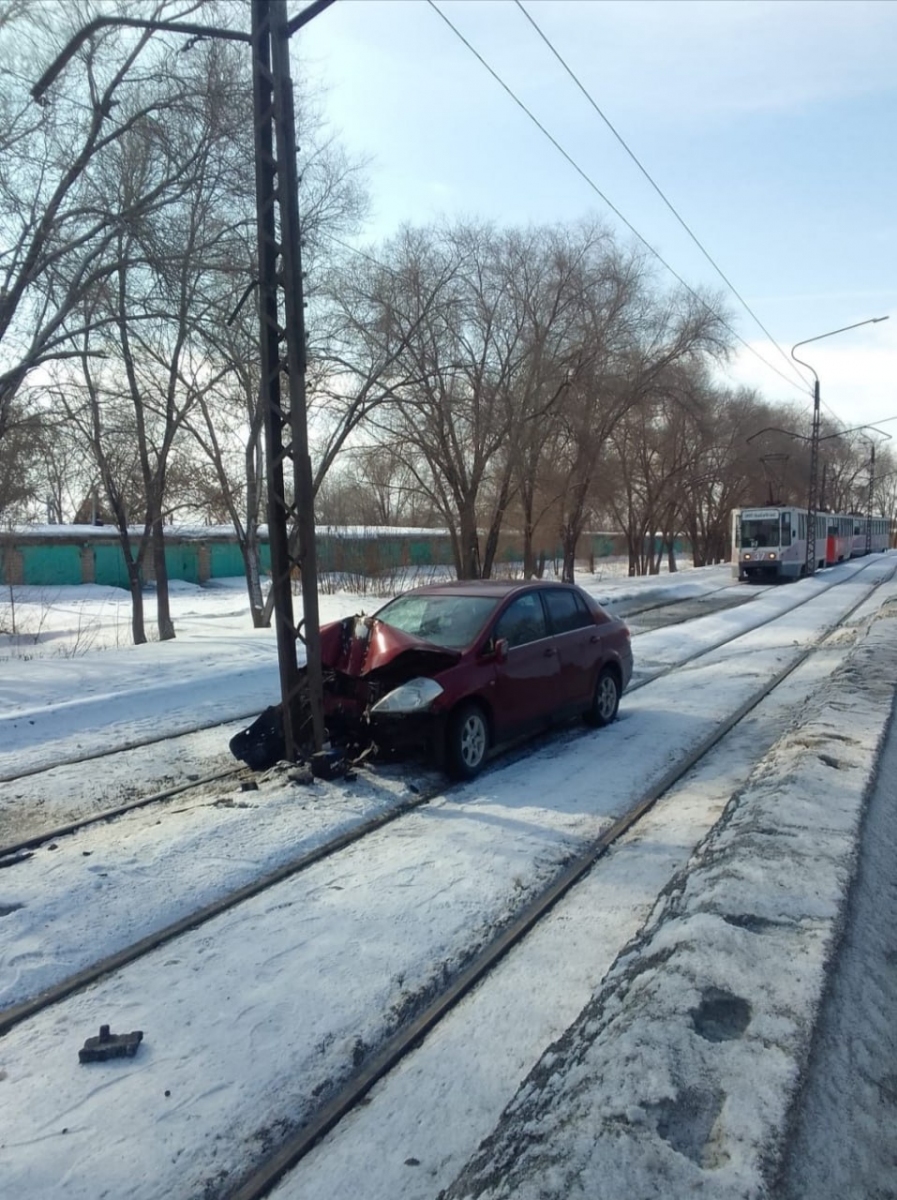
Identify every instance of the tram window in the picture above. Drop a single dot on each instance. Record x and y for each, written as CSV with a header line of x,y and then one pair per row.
x,y
786,529
802,526
761,534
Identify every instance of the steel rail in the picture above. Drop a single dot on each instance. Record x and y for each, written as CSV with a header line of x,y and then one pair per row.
x,y
263,1177
74,826
108,814
17,1013
136,744
690,658
625,613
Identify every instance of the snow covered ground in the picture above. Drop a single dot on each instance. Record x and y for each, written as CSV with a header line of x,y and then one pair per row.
x,y
680,980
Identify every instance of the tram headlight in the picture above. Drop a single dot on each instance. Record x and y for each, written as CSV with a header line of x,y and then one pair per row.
x,y
746,557
771,554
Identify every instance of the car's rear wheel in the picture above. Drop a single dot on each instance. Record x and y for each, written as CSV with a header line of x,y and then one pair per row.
x,y
606,699
467,741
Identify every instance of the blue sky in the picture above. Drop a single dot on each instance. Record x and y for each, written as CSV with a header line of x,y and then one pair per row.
x,y
771,127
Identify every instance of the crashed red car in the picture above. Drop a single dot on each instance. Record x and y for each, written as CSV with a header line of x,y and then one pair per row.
x,y
459,668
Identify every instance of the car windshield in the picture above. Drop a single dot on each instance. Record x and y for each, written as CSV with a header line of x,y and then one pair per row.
x,y
450,621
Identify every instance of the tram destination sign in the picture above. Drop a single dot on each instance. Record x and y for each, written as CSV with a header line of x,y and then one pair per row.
x,y
759,514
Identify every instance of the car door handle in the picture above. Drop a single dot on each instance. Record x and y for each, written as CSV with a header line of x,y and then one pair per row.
x,y
548,653
596,637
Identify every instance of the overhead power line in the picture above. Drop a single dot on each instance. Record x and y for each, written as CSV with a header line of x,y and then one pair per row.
x,y
360,253
591,183
731,286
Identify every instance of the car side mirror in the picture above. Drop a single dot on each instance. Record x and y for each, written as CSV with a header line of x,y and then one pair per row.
x,y
500,646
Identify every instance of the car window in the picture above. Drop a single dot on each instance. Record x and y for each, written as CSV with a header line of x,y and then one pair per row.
x,y
566,611
452,621
522,621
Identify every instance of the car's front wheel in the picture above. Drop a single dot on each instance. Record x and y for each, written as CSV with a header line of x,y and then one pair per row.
x,y
606,699
467,741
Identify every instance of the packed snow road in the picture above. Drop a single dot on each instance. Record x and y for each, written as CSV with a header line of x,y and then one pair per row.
x,y
695,1067
250,1021
644,1108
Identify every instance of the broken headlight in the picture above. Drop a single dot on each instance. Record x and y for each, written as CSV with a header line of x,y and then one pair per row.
x,y
410,697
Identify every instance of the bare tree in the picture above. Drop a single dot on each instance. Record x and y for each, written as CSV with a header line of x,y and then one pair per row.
x,y
18,491
58,229
648,335
374,486
144,366
228,422
227,426
654,451
557,276
724,472
484,316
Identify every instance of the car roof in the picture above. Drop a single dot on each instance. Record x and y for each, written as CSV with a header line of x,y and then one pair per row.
x,y
497,588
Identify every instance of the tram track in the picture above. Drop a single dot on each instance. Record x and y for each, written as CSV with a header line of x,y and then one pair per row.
x,y
23,845
688,609
257,1183
625,612
709,648
21,1011
381,1061
122,748
33,841
142,743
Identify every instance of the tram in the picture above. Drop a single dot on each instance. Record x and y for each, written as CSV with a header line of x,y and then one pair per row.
x,y
771,543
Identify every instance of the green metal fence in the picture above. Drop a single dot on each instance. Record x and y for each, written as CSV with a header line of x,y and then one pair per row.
x,y
93,556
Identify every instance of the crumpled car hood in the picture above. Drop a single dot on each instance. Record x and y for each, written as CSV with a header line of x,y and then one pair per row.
x,y
359,646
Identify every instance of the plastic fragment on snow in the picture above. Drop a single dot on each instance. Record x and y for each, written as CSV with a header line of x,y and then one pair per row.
x,y
110,1045
328,764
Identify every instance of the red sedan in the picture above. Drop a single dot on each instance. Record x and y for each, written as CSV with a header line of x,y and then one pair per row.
x,y
462,667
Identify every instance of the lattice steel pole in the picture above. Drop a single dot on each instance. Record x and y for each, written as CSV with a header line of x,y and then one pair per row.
x,y
294,306
286,420
813,495
813,492
275,417
869,504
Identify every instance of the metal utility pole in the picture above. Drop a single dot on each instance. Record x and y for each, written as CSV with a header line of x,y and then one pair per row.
x,y
774,469
286,423
869,504
813,491
294,307
870,501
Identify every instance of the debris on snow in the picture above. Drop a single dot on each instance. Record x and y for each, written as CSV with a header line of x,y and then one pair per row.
x,y
110,1045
